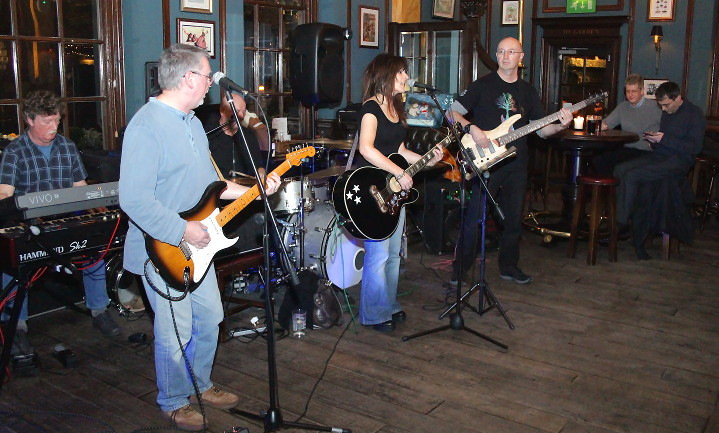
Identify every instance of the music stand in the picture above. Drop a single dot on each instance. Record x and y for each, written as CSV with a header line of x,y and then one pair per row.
x,y
456,321
272,417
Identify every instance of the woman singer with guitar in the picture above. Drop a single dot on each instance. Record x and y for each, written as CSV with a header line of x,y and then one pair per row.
x,y
382,132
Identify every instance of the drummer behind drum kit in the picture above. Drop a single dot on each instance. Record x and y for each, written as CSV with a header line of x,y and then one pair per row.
x,y
312,234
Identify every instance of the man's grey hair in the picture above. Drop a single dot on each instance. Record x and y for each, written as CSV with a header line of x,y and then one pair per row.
x,y
176,61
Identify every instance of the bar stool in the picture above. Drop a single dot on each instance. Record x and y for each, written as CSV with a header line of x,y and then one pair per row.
x,y
704,162
226,267
603,201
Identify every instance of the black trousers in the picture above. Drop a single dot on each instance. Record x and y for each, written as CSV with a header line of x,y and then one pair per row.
x,y
507,184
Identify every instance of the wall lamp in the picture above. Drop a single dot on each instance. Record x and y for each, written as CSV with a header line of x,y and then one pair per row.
x,y
657,36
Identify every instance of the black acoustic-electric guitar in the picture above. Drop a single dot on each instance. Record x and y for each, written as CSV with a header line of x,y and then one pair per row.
x,y
370,199
185,265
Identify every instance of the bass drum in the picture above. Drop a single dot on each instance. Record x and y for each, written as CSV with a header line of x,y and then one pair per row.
x,y
123,287
330,251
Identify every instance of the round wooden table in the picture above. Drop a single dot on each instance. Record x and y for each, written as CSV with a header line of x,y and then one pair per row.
x,y
579,147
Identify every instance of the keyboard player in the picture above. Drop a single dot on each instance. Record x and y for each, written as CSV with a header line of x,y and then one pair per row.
x,y
40,159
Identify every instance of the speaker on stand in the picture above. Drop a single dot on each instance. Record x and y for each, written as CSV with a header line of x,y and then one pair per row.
x,y
317,65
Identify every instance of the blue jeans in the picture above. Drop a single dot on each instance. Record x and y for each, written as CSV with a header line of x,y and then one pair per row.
x,y
197,317
95,290
380,274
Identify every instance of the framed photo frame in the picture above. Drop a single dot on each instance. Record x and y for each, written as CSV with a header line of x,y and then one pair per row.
x,y
661,10
369,27
443,9
650,86
510,12
201,6
199,33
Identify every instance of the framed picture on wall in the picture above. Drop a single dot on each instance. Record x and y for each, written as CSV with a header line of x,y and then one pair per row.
x,y
369,27
660,10
443,9
201,6
510,12
650,86
198,33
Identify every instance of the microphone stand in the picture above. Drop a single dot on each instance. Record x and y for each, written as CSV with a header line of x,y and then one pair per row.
x,y
456,321
272,418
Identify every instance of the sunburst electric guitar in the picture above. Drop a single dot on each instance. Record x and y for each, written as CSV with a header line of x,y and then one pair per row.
x,y
184,266
484,158
370,198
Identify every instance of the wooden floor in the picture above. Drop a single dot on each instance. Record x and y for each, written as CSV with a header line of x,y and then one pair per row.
x,y
618,347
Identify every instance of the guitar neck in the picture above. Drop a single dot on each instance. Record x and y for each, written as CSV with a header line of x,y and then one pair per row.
x,y
427,157
541,123
236,206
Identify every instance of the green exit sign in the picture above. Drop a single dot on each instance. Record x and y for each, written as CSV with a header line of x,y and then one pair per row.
x,y
581,6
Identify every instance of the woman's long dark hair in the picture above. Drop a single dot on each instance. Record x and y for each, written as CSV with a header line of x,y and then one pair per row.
x,y
379,80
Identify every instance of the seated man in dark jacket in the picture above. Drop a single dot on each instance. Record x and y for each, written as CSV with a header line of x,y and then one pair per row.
x,y
647,181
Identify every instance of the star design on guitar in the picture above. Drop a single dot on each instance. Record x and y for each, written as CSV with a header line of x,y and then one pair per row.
x,y
355,188
358,200
349,196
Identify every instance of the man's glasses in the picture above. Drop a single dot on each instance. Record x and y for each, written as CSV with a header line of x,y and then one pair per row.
x,y
209,78
500,53
665,105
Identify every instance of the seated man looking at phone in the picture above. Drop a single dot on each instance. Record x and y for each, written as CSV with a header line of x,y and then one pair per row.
x,y
638,115
643,180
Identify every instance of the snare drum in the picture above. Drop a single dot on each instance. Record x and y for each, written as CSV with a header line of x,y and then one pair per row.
x,y
329,250
287,198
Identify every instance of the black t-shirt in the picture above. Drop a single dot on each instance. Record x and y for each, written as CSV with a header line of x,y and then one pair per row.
x,y
491,100
389,134
222,145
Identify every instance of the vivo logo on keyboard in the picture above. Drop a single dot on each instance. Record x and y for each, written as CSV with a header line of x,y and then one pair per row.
x,y
42,198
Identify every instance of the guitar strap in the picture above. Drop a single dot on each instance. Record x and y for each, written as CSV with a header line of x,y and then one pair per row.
x,y
352,151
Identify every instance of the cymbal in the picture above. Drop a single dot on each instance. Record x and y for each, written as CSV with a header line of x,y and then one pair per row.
x,y
335,170
242,180
335,144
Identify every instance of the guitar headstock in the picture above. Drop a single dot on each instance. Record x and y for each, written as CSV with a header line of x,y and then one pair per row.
x,y
295,157
598,96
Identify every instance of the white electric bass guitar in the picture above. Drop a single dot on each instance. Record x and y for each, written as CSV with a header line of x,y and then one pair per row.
x,y
485,158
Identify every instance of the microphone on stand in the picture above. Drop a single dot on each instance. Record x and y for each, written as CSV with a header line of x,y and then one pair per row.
x,y
221,80
414,83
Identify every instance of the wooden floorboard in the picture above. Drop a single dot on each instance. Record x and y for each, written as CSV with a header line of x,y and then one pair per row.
x,y
626,347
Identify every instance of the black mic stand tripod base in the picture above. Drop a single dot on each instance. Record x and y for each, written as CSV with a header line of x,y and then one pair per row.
x,y
456,321
487,301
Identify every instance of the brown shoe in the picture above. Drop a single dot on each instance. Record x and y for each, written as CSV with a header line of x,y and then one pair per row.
x,y
218,398
186,418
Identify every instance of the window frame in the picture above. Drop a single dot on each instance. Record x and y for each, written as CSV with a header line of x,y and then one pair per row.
x,y
109,68
283,55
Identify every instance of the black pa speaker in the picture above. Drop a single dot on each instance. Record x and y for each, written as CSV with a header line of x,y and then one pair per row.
x,y
317,64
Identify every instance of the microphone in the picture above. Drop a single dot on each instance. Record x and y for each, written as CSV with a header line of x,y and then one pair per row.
x,y
413,83
221,80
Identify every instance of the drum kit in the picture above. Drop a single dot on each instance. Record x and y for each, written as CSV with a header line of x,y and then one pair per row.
x,y
311,231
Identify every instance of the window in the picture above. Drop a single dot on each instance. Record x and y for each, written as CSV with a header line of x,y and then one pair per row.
x,y
60,46
267,29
